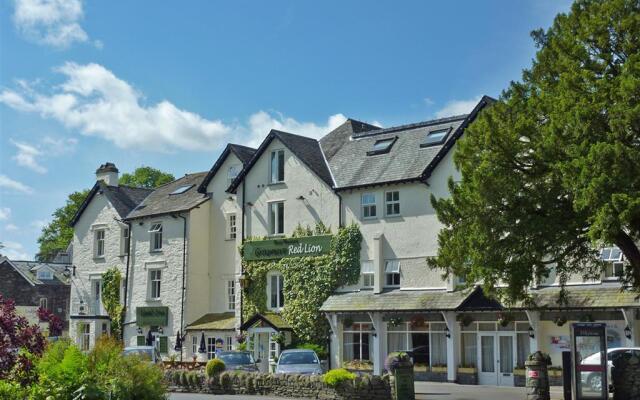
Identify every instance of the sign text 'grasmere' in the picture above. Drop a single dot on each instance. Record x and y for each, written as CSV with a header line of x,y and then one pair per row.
x,y
307,246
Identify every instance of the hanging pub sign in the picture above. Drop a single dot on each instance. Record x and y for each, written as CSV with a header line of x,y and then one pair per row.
x,y
152,316
306,246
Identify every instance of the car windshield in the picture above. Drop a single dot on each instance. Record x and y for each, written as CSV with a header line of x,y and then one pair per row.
x,y
236,358
298,357
146,354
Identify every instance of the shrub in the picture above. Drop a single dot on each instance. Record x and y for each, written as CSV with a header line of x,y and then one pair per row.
x,y
193,379
12,391
137,379
215,367
62,370
337,376
320,350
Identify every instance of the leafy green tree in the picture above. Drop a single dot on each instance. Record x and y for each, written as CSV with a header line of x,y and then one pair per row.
x,y
58,233
551,172
146,177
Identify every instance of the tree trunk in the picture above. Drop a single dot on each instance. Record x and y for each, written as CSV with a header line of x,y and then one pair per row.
x,y
632,253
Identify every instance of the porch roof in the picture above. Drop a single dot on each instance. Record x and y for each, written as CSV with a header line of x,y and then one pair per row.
x,y
270,319
395,300
579,297
214,322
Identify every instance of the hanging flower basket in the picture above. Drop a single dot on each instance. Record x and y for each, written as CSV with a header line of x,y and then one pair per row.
x,y
465,320
417,321
561,320
347,322
504,319
395,321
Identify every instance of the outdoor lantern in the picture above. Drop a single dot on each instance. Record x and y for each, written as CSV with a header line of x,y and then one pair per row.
x,y
139,331
627,332
66,272
448,334
532,334
160,330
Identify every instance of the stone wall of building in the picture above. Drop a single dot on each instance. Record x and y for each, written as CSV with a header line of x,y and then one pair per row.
x,y
625,375
296,386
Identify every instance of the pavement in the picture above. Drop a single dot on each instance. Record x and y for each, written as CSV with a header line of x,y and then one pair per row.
x,y
424,391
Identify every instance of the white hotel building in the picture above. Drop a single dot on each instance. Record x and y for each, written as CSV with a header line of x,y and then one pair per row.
x,y
382,180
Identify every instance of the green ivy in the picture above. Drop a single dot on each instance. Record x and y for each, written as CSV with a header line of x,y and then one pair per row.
x,y
111,299
308,281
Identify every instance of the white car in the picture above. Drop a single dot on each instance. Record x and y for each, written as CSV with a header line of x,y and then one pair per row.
x,y
593,379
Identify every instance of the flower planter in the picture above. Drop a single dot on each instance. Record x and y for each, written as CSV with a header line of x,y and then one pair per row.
x,y
439,369
519,372
519,377
467,376
465,370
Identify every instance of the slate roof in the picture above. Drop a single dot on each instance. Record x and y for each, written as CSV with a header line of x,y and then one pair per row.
x,y
394,300
161,201
28,269
271,319
588,296
214,322
306,149
123,198
243,153
334,140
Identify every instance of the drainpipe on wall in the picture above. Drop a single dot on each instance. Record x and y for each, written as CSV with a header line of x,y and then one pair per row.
x,y
340,224
242,238
126,279
184,270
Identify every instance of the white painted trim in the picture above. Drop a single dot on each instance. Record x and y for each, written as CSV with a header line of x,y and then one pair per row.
x,y
150,265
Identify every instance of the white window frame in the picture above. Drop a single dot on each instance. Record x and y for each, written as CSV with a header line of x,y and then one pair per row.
x,y
228,340
274,349
231,295
43,300
391,268
155,236
124,240
368,273
85,336
391,202
194,344
367,208
155,280
232,172
232,226
211,342
99,236
276,155
274,213
363,328
279,291
613,262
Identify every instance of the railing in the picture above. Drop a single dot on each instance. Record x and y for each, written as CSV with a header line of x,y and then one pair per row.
x,y
87,308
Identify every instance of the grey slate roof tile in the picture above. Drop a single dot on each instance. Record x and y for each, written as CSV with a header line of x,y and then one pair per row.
x,y
28,270
243,153
123,198
161,201
394,300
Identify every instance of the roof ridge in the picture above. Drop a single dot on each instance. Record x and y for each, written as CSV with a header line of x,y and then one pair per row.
x,y
241,145
420,124
294,134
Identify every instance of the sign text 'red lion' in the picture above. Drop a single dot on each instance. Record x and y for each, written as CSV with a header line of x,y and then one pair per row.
x,y
307,246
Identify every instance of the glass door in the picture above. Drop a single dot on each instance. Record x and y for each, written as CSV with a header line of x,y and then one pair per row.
x,y
487,371
506,359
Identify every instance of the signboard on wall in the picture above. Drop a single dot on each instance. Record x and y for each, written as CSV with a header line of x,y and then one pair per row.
x,y
307,246
152,316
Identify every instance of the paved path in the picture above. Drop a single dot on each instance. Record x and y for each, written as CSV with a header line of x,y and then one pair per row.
x,y
424,391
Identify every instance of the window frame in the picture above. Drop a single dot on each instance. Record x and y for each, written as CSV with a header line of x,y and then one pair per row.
x,y
368,206
99,242
231,294
367,275
211,354
426,143
156,229
280,160
45,301
612,263
277,215
237,168
40,274
384,150
228,340
394,273
153,282
232,228
363,329
194,344
85,336
392,202
124,240
280,301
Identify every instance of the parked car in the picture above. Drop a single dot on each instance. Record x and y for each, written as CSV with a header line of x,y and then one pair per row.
x,y
238,360
594,379
299,361
150,353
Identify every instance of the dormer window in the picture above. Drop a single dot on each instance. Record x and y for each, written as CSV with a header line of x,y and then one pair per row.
x,y
435,137
614,266
44,274
181,189
382,146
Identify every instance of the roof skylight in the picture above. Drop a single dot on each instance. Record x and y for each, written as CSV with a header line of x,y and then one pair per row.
x,y
181,189
382,146
435,137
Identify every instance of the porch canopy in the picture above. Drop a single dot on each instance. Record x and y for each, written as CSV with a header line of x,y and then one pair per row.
x,y
394,301
266,320
214,322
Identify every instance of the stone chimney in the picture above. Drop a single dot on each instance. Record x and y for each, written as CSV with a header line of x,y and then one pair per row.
x,y
108,173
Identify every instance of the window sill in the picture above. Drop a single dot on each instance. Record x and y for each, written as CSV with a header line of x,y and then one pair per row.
x,y
230,239
154,300
99,258
276,183
155,251
276,310
393,216
277,235
369,218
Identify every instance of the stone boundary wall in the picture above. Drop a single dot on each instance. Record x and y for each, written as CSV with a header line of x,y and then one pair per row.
x,y
299,386
625,375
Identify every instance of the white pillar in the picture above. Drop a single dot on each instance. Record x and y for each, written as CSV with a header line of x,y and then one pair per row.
x,y
452,345
335,339
378,341
534,322
378,263
629,319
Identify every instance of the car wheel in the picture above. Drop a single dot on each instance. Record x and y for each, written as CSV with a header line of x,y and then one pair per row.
x,y
595,382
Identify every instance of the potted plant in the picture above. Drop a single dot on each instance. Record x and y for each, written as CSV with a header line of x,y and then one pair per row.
x,y
439,368
504,319
347,322
467,369
395,321
560,320
465,319
519,370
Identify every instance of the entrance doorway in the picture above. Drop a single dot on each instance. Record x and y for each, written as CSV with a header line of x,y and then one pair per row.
x,y
497,356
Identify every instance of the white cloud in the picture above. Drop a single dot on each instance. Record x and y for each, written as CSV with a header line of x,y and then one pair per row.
x,y
51,22
8,183
5,213
27,155
457,107
15,251
97,103
428,101
11,228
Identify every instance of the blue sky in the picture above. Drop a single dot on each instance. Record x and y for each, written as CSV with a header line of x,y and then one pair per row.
x,y
168,84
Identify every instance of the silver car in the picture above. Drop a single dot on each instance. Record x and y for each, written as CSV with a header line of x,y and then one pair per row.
x,y
299,361
145,352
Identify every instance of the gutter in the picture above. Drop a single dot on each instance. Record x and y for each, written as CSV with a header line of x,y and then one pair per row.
x,y
243,239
